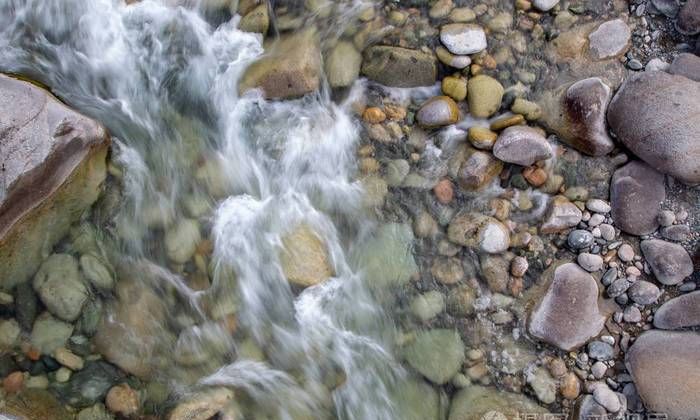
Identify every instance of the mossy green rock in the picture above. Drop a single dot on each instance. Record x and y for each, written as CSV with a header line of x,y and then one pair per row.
x,y
476,403
484,95
436,354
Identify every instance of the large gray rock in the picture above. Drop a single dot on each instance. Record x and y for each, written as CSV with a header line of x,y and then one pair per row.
x,y
568,314
670,262
54,164
399,67
610,39
290,68
688,21
687,65
679,312
655,115
576,112
436,354
666,372
636,193
521,145
481,403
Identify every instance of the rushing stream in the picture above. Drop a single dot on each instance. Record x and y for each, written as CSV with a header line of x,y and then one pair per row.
x,y
163,81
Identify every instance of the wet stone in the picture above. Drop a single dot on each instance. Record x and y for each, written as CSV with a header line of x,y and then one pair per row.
x,y
521,145
579,239
89,385
463,39
610,39
438,111
399,67
436,354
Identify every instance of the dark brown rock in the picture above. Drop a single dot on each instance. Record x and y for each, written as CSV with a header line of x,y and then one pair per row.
x,y
53,165
576,112
636,193
665,369
679,312
655,114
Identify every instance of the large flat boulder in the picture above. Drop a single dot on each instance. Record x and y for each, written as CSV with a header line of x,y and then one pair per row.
x,y
53,165
655,115
665,369
290,68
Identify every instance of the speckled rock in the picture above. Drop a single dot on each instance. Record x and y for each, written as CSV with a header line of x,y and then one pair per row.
x,y
60,286
438,111
643,292
679,312
522,145
576,112
666,373
568,314
653,114
399,67
670,262
636,193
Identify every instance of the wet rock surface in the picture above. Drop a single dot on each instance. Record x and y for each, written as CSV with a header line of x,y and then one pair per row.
x,y
399,67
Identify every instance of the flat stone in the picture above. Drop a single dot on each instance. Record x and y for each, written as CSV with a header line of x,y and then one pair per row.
x,y
561,214
436,354
686,64
479,403
568,314
54,164
664,367
463,38
522,145
576,113
636,193
290,68
653,114
304,259
399,67
670,262
610,39
438,111
680,312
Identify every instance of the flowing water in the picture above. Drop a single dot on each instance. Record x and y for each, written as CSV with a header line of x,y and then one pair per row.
x,y
163,80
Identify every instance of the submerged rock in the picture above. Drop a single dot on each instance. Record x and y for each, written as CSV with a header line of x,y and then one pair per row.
x,y
670,262
484,95
463,38
343,65
49,333
61,287
479,403
54,163
203,405
399,67
568,314
680,312
417,400
437,112
478,231
34,404
304,258
561,214
576,112
665,371
436,354
290,69
478,170
653,114
636,193
610,39
387,257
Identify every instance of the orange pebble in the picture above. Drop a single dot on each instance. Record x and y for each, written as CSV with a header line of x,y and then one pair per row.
x,y
374,115
13,382
444,191
33,354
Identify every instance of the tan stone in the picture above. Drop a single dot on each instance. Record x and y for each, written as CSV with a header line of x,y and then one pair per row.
x,y
304,258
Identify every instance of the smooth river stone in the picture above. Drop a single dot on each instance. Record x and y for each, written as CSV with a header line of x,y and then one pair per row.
x,y
521,145
480,403
654,114
670,262
665,369
679,312
687,65
438,111
568,315
399,67
436,354
636,193
463,38
610,39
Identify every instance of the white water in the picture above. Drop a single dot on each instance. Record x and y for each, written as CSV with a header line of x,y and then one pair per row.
x,y
164,83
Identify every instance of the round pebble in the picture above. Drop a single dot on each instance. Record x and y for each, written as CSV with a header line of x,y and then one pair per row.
x,y
590,262
580,238
625,253
632,314
123,400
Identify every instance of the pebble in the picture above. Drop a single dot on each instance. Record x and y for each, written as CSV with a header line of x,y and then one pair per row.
x,y
519,266
68,359
670,262
618,287
666,217
545,5
632,314
522,145
601,351
449,59
444,191
484,95
610,39
579,239
428,305
596,220
607,398
678,233
607,231
570,386
437,112
463,38
644,292
598,370
625,253
60,286
590,262
181,240
122,400
9,333
598,206
13,382
609,276
63,374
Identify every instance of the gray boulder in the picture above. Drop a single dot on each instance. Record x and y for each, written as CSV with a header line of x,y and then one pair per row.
x,y
655,115
670,262
567,315
687,65
54,164
679,312
636,193
665,369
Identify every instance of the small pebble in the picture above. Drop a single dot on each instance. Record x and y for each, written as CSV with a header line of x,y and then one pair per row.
x,y
625,253
632,314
